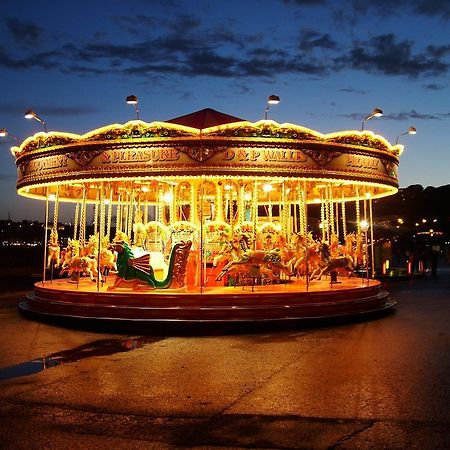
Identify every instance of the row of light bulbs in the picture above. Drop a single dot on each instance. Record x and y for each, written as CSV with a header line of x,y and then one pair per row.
x,y
272,100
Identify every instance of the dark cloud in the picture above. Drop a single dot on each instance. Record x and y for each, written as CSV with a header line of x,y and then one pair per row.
x,y
353,91
19,108
354,116
346,10
438,8
311,39
24,33
384,54
43,60
413,114
438,51
434,87
83,70
182,45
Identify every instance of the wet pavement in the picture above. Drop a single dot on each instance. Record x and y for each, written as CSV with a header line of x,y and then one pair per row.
x,y
377,384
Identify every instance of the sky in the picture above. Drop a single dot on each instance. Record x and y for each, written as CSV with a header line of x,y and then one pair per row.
x,y
330,62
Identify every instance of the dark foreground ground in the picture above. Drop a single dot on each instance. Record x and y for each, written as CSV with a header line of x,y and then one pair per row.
x,y
379,384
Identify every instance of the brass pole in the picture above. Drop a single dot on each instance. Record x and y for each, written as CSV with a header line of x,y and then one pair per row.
x,y
45,235
371,237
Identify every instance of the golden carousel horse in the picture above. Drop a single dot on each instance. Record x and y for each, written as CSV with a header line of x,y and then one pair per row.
x,y
53,250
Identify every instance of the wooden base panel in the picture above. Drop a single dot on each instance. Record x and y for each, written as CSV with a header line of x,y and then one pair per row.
x,y
282,302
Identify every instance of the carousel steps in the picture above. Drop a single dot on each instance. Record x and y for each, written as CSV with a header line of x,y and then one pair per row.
x,y
199,308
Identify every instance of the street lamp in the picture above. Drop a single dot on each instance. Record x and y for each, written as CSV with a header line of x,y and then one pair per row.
x,y
32,115
133,100
377,112
411,130
4,133
272,100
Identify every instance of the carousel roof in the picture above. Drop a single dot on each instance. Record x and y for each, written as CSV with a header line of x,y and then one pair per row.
x,y
204,118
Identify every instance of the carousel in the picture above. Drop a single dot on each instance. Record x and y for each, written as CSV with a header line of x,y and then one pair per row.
x,y
207,218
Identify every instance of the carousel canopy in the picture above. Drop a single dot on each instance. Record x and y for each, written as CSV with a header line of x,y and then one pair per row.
x,y
209,144
204,118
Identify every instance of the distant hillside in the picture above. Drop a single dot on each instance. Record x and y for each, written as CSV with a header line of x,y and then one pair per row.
x,y
415,203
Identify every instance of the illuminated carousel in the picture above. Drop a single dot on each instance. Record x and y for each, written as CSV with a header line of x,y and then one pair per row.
x,y
205,218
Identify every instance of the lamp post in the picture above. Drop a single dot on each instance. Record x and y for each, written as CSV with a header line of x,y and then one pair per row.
x,y
411,130
4,133
32,115
377,112
272,100
133,100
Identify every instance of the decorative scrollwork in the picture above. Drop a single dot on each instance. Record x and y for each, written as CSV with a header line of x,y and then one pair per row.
x,y
321,157
180,265
45,141
23,167
361,140
201,153
84,157
389,167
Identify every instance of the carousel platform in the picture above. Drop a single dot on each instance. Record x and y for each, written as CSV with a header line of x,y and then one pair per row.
x,y
280,302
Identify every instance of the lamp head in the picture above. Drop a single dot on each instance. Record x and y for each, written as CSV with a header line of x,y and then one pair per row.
x,y
273,100
30,114
412,130
132,100
377,112
3,132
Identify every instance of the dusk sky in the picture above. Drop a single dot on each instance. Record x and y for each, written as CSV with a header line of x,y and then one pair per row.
x,y
330,61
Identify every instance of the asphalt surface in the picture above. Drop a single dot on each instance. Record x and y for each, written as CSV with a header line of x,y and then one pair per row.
x,y
376,384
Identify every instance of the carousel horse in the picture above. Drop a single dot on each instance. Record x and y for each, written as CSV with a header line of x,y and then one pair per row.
x,y
106,258
296,252
53,257
250,259
74,264
135,272
307,256
231,250
340,264
140,234
348,247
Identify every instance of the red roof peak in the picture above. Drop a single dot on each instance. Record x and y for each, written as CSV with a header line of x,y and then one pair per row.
x,y
204,118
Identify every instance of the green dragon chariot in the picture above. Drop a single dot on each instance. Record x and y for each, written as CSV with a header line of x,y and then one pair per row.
x,y
134,272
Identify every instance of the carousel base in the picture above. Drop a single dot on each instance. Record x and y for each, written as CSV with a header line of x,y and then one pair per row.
x,y
278,303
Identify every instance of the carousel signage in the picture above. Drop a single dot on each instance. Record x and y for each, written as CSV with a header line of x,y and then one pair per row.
x,y
140,155
47,163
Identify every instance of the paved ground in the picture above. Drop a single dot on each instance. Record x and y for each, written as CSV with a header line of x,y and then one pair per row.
x,y
380,384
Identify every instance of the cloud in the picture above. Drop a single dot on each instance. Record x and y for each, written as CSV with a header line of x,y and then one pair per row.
x,y
353,91
413,114
384,54
184,46
19,108
439,8
438,51
311,39
43,60
434,86
346,10
24,33
401,116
